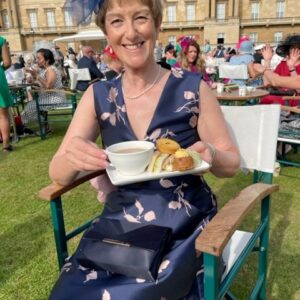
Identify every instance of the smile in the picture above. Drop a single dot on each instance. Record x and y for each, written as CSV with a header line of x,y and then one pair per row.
x,y
133,46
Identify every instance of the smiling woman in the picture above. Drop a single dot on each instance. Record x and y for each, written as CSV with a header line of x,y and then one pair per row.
x,y
147,103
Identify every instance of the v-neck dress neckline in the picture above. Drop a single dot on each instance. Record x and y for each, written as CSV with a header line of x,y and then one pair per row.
x,y
159,104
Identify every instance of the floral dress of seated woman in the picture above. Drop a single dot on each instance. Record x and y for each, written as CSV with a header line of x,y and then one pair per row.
x,y
184,203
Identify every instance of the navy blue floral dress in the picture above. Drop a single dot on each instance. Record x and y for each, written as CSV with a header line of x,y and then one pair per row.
x,y
186,203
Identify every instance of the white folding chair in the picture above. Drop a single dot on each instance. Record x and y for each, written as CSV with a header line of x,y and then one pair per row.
x,y
78,74
255,131
233,71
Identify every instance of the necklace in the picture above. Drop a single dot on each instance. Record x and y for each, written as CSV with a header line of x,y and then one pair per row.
x,y
145,90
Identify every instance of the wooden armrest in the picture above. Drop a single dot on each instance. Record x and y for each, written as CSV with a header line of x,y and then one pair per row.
x,y
217,233
55,190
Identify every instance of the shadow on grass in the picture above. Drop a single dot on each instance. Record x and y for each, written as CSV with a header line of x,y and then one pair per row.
x,y
20,245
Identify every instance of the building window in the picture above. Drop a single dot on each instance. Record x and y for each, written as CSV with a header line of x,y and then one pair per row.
x,y
5,19
253,37
32,15
220,11
221,38
50,14
278,36
280,9
190,12
172,39
171,13
68,17
254,10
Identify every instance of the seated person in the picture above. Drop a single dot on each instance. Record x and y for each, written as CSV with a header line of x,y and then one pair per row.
x,y
47,77
289,67
120,109
87,61
243,57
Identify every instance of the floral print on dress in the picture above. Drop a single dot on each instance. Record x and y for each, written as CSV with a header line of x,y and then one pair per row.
x,y
148,216
157,134
117,115
183,203
190,107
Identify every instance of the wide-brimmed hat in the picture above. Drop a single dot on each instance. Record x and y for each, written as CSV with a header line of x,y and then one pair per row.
x,y
283,48
259,47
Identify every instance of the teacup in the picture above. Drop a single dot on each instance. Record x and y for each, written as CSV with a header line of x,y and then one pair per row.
x,y
132,157
250,89
220,87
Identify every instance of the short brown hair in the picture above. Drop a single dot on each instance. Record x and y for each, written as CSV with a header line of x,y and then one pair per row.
x,y
155,6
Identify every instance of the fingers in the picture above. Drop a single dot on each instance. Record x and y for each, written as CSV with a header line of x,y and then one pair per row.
x,y
85,155
198,146
203,151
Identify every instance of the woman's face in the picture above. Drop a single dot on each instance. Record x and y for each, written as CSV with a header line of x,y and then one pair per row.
x,y
192,54
40,60
131,32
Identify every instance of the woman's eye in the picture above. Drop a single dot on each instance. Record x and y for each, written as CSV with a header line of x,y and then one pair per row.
x,y
141,18
116,22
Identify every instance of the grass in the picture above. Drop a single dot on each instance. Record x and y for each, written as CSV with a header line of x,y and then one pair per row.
x,y
27,251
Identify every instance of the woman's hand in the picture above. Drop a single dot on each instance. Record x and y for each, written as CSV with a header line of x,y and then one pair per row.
x,y
293,58
84,155
31,71
267,53
204,150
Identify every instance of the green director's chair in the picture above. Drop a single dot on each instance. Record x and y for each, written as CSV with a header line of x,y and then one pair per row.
x,y
255,130
67,108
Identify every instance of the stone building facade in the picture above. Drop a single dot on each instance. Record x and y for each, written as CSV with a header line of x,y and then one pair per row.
x,y
29,23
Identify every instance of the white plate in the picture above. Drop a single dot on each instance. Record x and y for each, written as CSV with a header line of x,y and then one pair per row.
x,y
118,178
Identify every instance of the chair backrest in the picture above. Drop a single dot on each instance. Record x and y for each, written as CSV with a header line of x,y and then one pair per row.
x,y
78,74
16,75
255,131
233,71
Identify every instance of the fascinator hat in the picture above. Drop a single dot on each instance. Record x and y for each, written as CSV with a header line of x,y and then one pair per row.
x,y
82,10
292,41
185,41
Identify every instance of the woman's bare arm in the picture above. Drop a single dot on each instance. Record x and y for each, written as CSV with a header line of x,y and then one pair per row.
x,y
78,150
49,82
213,130
6,56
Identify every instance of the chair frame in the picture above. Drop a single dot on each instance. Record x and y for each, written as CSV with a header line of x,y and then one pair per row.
x,y
216,235
41,123
212,240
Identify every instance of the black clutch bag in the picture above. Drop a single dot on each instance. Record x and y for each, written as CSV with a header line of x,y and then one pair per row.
x,y
136,253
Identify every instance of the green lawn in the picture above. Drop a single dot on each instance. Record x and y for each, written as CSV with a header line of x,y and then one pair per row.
x,y
28,266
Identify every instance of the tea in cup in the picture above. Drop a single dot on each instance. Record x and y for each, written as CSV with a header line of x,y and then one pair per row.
x,y
132,157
